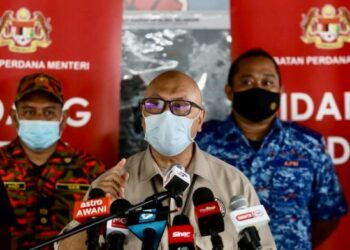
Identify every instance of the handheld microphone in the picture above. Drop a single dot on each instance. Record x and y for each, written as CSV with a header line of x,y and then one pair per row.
x,y
176,181
149,225
91,208
245,220
181,234
208,215
117,229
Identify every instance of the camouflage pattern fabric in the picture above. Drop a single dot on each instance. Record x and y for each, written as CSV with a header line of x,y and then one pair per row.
x,y
39,81
43,196
293,175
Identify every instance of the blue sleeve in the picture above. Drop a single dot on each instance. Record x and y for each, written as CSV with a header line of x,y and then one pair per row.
x,y
327,201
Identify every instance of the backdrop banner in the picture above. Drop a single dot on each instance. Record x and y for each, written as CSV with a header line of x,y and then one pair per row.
x,y
78,42
311,42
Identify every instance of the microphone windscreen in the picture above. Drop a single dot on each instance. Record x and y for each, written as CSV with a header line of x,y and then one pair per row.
x,y
238,202
96,193
202,195
176,165
207,212
181,219
119,206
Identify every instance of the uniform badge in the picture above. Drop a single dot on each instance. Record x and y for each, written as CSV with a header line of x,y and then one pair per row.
x,y
41,81
328,28
222,206
273,105
291,164
75,187
23,32
67,160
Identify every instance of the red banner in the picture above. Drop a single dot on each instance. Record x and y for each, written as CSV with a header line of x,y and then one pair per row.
x,y
311,42
79,43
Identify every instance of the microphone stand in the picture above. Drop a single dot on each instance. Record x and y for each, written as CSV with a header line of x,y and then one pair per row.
x,y
216,241
93,222
250,239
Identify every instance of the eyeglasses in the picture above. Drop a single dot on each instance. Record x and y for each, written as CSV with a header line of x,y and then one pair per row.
x,y
177,107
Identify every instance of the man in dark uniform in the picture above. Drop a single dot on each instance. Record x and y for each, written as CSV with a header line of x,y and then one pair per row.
x,y
42,174
7,218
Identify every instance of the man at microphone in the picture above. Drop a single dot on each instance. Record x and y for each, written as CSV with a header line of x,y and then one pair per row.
x,y
172,115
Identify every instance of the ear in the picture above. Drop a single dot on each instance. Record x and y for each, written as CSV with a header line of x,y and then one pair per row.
x,y
65,115
282,89
143,124
201,119
15,122
229,92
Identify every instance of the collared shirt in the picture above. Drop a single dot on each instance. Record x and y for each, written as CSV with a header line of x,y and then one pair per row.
x,y
291,172
43,196
222,179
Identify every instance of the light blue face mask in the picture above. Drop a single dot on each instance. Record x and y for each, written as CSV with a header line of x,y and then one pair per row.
x,y
167,133
39,135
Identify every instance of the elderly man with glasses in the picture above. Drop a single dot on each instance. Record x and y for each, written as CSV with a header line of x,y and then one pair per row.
x,y
172,115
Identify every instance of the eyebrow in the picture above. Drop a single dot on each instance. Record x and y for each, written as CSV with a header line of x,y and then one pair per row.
x,y
155,95
271,75
264,74
28,106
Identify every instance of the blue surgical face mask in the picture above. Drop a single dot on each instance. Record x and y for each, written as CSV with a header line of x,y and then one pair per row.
x,y
39,135
167,133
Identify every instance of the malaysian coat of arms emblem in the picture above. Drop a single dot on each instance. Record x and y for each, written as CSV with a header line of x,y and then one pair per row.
x,y
328,28
23,32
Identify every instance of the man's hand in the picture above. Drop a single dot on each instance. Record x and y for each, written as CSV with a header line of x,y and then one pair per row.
x,y
114,181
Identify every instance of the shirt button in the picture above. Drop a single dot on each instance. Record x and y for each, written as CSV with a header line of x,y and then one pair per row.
x,y
43,211
43,220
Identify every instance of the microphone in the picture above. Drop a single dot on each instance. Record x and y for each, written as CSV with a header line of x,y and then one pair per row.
x,y
181,234
208,215
153,199
117,230
149,224
97,205
246,220
176,181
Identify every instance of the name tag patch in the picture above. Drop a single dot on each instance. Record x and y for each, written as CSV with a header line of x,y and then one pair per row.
x,y
15,185
77,187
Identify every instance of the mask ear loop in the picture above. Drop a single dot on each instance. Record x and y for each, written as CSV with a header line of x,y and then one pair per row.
x,y
18,120
17,117
190,130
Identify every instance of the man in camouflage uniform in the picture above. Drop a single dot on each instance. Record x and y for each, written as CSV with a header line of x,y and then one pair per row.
x,y
43,175
287,163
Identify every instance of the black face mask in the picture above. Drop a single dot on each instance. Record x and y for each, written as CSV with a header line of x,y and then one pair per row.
x,y
256,104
